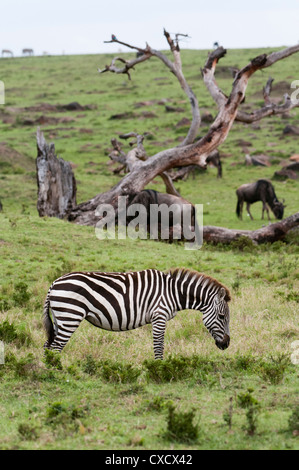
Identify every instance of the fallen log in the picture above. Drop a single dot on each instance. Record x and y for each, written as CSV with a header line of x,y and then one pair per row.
x,y
268,234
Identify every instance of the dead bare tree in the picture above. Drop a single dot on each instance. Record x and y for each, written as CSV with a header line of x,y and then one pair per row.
x,y
143,168
188,152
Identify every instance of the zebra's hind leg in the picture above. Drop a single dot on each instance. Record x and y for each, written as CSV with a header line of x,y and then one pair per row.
x,y
64,328
159,326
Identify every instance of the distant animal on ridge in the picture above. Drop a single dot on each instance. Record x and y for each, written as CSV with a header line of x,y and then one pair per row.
x,y
261,190
27,51
7,51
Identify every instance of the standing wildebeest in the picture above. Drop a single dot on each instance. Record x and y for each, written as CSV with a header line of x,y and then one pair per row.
x,y
27,51
7,51
263,191
171,213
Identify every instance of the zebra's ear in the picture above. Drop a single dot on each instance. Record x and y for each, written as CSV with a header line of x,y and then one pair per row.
x,y
221,294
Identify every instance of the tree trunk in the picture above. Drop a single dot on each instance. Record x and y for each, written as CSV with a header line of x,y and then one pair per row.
x,y
55,181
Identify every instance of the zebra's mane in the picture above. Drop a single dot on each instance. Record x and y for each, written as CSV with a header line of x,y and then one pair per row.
x,y
182,272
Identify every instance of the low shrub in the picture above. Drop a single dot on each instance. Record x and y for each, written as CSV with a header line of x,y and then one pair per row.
x,y
274,369
89,365
179,368
28,431
119,373
158,404
243,243
174,368
247,401
52,359
66,418
10,333
25,367
180,425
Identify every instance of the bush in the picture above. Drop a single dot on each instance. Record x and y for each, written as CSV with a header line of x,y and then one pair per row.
x,y
89,366
9,333
119,373
25,367
158,404
244,362
180,425
252,405
52,359
178,368
243,243
66,418
175,368
274,370
28,431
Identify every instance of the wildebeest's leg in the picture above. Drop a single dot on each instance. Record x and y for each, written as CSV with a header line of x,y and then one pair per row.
x,y
265,208
248,210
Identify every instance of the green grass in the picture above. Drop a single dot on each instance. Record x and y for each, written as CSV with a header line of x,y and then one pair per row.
x,y
105,391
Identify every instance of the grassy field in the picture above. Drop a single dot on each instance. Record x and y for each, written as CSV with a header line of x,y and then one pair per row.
x,y
105,391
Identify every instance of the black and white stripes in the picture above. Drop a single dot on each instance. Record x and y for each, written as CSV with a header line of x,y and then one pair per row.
x,y
124,301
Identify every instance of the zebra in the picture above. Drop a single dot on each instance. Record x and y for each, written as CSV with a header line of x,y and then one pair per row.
x,y
125,301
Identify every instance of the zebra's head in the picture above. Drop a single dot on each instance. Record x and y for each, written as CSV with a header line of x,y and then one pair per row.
x,y
216,319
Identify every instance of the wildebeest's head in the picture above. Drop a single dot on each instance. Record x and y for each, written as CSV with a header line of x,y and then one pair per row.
x,y
278,208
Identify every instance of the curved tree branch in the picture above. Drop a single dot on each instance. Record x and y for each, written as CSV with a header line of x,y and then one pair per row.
x,y
270,108
175,67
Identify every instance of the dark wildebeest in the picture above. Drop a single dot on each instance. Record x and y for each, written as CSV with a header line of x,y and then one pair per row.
x,y
7,51
27,51
263,191
172,221
214,159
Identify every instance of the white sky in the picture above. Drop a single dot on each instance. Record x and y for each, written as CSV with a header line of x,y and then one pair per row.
x,y
73,27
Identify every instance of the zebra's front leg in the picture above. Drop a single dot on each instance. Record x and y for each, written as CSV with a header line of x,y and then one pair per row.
x,y
159,326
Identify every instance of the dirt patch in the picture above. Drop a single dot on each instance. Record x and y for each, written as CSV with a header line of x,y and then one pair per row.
x,y
50,108
41,120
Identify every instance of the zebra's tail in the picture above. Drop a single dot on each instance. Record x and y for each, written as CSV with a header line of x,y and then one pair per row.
x,y
47,322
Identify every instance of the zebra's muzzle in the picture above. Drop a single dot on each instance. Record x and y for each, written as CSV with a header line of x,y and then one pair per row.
x,y
224,343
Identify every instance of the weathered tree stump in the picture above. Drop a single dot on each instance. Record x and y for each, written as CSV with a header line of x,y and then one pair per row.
x,y
55,181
